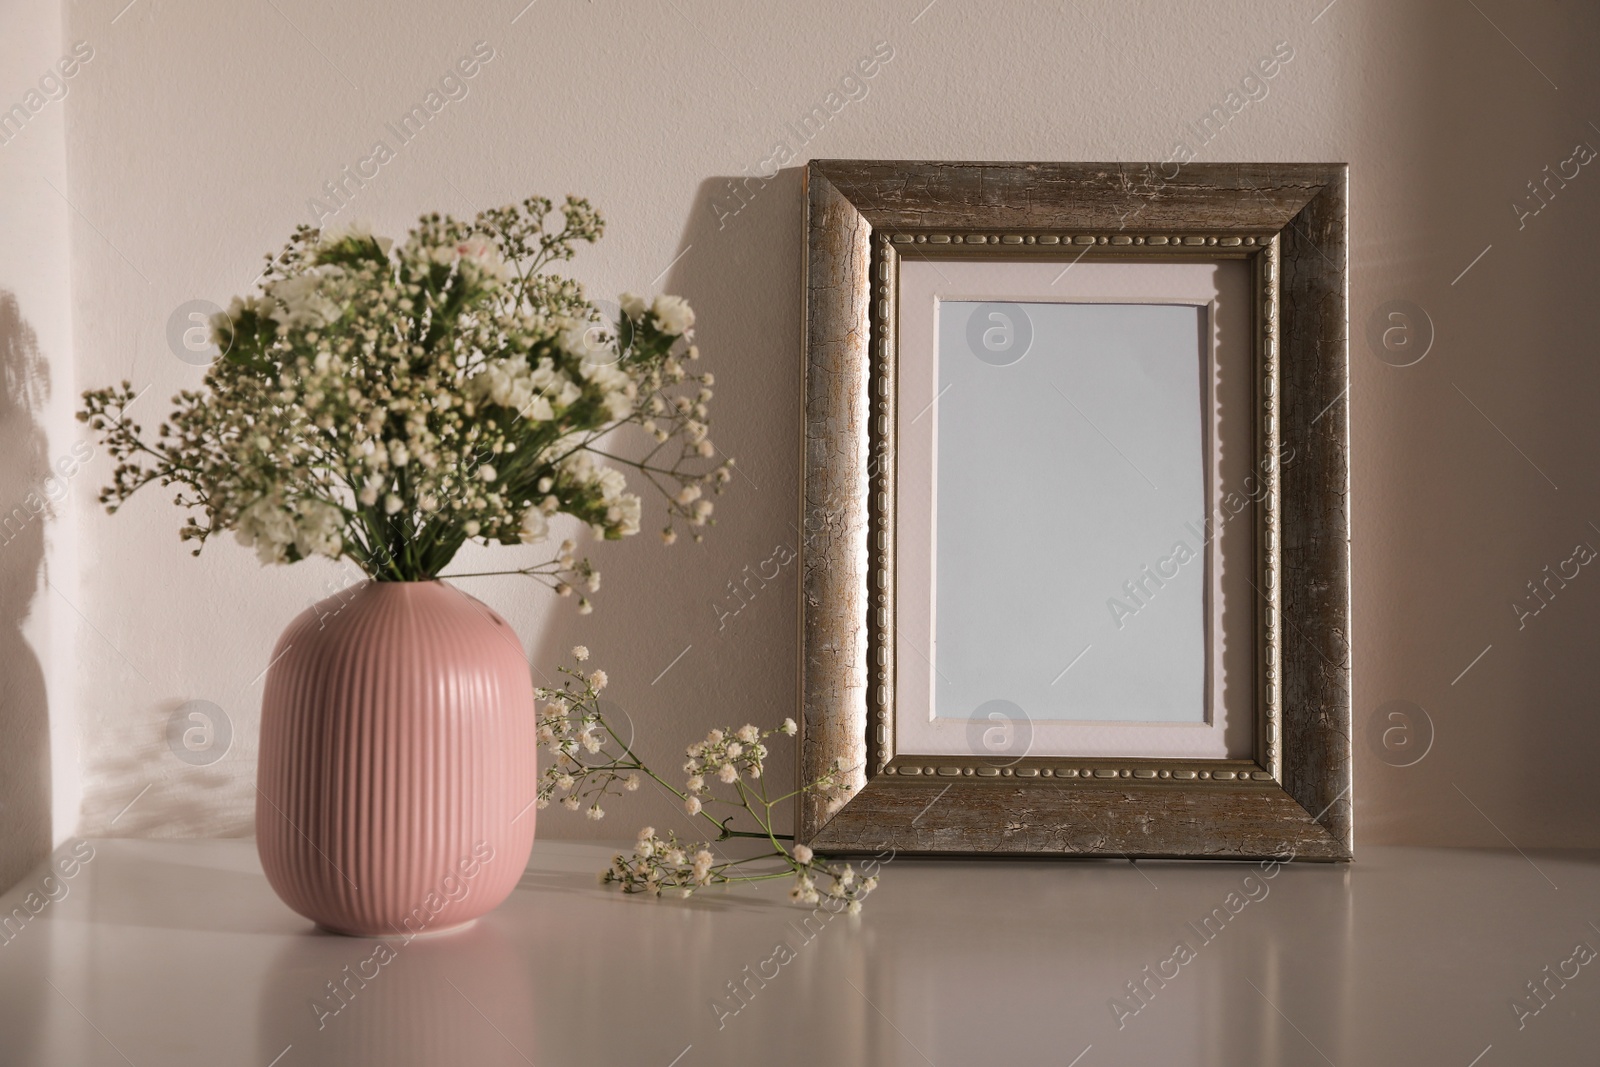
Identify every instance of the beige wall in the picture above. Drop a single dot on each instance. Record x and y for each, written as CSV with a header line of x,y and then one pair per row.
x,y
200,131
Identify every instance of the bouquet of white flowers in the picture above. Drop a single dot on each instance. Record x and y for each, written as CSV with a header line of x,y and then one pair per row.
x,y
387,404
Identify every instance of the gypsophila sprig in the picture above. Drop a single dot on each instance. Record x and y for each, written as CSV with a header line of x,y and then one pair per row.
x,y
389,403
724,772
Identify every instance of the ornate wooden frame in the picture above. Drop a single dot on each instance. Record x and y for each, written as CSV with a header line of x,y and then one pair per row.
x,y
1289,221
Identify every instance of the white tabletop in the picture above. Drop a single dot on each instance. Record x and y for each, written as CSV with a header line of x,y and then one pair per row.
x,y
176,953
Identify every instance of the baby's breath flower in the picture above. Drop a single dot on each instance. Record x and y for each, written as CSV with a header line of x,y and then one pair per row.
x,y
580,653
385,403
573,719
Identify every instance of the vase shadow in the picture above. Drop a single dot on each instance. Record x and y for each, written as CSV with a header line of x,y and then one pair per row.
x,y
25,777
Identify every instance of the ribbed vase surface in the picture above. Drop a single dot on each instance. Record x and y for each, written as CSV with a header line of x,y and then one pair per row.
x,y
397,761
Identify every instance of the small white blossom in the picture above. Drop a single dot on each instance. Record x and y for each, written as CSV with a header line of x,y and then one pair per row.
x,y
673,314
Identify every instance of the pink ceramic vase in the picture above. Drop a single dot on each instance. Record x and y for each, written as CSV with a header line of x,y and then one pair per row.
x,y
398,761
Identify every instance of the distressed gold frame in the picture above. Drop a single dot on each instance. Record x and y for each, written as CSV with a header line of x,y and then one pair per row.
x,y
1289,221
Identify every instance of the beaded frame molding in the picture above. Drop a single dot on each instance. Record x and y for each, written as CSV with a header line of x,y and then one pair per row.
x,y
1288,221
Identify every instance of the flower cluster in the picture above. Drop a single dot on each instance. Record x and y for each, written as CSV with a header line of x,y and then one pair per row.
x,y
666,865
388,403
591,763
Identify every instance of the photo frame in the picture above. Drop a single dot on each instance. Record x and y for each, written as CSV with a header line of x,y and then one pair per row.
x,y
873,321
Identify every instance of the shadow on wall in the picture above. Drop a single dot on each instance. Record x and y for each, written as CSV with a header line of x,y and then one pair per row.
x,y
144,788
1458,456
24,705
696,635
